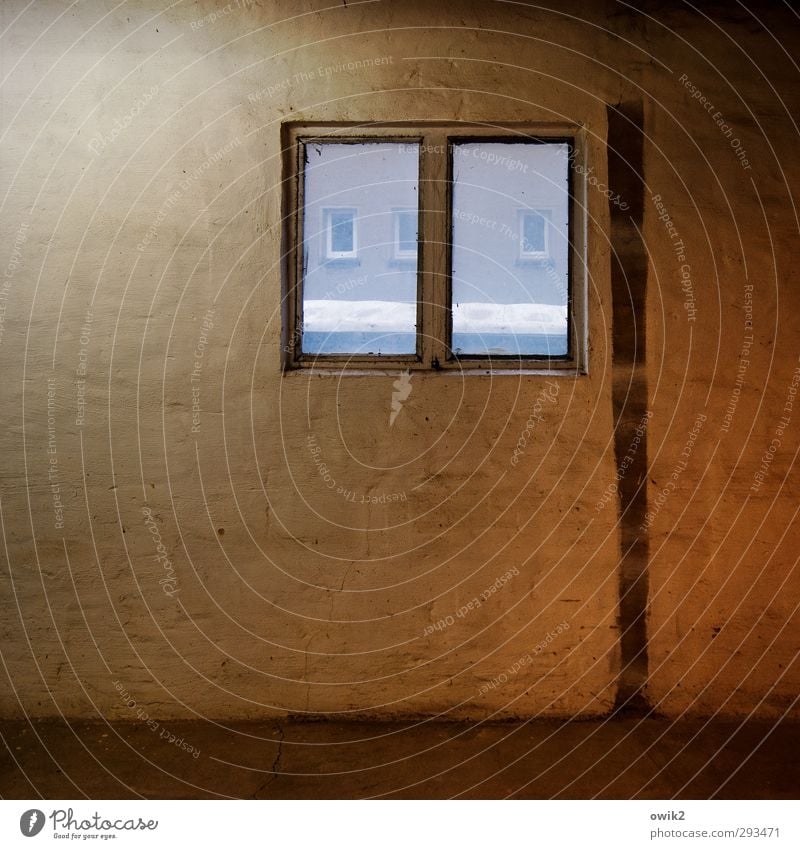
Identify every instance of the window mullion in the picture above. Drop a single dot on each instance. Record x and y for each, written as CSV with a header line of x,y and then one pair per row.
x,y
433,240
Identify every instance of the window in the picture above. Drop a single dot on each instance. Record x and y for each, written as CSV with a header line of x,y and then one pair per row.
x,y
340,233
354,302
533,233
405,234
441,247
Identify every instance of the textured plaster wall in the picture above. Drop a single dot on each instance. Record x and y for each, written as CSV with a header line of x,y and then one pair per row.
x,y
141,249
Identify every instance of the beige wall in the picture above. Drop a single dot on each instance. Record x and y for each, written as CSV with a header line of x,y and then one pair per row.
x,y
288,597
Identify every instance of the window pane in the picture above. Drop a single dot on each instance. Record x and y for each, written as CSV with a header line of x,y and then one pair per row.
x,y
510,255
356,298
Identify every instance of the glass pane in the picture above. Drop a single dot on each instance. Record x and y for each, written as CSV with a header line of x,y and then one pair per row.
x,y
510,248
356,298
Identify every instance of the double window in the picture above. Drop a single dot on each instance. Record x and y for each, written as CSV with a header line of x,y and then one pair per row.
x,y
434,247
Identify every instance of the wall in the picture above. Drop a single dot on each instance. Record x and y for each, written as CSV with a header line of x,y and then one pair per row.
x,y
165,524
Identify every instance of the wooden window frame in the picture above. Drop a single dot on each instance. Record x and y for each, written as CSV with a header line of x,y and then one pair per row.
x,y
436,142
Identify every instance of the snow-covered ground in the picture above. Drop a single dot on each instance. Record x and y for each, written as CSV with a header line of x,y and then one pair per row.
x,y
389,316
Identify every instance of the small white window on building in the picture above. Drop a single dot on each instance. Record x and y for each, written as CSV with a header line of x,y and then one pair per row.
x,y
405,234
341,234
534,233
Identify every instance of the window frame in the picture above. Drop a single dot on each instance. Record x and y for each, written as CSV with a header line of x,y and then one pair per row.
x,y
436,141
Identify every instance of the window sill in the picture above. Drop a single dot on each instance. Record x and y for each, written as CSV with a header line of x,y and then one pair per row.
x,y
386,371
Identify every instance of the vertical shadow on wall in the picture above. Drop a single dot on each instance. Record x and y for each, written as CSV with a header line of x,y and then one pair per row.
x,y
629,392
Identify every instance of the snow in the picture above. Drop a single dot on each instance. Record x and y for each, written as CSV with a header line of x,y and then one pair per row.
x,y
326,316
